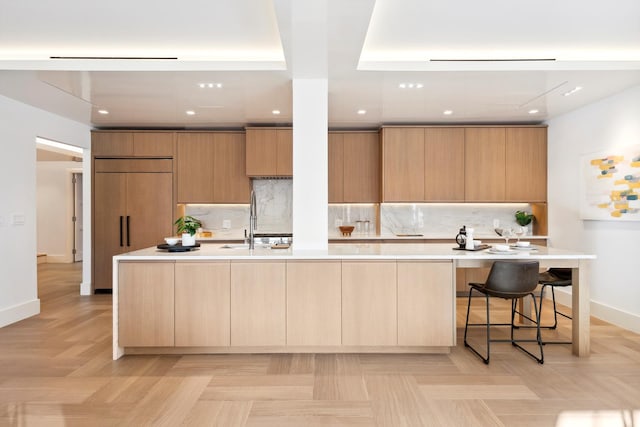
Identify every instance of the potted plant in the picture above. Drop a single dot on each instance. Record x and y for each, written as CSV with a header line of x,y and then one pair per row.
x,y
524,219
188,225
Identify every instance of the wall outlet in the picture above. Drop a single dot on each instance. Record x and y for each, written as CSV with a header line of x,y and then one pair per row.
x,y
17,219
226,224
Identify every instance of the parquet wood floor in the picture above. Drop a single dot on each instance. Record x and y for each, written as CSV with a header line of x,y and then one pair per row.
x,y
56,369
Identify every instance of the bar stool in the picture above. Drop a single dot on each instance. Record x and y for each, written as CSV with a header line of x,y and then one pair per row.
x,y
507,280
554,278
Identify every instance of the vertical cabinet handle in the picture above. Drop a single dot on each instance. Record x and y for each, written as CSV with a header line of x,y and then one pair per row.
x,y
128,234
121,230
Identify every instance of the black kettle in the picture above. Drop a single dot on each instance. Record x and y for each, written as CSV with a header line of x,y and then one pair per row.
x,y
461,238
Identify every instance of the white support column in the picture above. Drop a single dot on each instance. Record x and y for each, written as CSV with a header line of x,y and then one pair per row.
x,y
310,164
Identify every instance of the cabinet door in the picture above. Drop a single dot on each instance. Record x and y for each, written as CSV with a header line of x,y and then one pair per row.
x,y
313,303
444,164
402,164
369,309
258,303
361,167
195,167
284,151
109,215
230,181
336,164
426,302
149,209
526,165
111,143
261,159
153,144
484,160
203,304
145,304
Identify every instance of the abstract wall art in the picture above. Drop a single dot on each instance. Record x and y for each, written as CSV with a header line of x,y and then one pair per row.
x,y
611,185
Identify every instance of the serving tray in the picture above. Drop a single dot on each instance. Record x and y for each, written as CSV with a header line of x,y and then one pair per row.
x,y
178,247
477,248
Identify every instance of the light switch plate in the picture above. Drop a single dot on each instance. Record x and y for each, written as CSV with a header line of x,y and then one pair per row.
x,y
17,219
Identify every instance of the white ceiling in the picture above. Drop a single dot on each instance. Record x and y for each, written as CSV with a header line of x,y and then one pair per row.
x,y
371,47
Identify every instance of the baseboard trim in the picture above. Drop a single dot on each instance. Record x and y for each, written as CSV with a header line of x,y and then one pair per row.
x,y
605,312
59,259
19,312
85,288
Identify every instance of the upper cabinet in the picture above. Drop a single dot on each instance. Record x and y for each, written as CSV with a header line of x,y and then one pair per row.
x,y
354,167
464,164
402,164
423,164
526,164
444,164
269,152
484,164
132,144
211,168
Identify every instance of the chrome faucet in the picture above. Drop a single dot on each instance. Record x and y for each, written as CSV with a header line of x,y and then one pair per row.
x,y
253,219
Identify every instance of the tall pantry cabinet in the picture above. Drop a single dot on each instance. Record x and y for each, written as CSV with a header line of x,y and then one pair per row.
x,y
132,195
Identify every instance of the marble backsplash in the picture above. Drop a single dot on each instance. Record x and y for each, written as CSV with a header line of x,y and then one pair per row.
x,y
274,202
446,219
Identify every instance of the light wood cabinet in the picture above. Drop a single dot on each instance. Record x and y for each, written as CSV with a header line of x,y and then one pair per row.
x,y
269,152
202,304
211,168
314,303
146,304
403,164
526,164
136,144
444,164
131,210
258,304
484,164
425,304
354,167
369,303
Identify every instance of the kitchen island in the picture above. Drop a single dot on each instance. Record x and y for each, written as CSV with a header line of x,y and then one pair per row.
x,y
350,298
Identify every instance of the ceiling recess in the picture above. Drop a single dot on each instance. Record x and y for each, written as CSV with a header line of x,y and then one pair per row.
x,y
494,60
116,57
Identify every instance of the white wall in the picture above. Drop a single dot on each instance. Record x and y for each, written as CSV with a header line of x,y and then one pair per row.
x,y
54,191
19,126
614,279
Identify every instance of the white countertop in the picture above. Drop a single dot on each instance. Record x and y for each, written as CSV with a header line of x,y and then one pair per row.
x,y
363,251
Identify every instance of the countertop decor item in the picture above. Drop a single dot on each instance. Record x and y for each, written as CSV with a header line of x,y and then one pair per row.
x,y
346,230
188,225
523,218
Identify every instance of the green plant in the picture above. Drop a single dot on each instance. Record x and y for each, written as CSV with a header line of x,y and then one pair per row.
x,y
523,218
187,224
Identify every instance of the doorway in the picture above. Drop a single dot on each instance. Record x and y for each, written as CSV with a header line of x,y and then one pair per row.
x,y
77,217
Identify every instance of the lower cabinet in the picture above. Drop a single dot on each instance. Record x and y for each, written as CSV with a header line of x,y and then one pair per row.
x,y
202,304
295,303
425,304
145,304
258,303
369,305
314,303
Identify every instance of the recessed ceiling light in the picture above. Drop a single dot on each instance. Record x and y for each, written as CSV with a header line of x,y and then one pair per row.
x,y
190,113
410,85
447,112
276,112
534,111
572,91
362,112
210,85
103,112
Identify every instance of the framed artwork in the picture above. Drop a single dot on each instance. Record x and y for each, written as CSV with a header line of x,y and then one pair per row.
x,y
611,185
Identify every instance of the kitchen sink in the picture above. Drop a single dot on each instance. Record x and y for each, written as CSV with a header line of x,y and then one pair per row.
x,y
242,246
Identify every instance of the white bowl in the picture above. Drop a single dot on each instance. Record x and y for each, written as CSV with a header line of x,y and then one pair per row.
x,y
477,243
503,248
172,241
523,244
